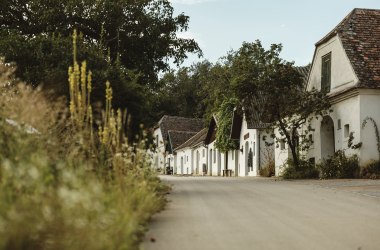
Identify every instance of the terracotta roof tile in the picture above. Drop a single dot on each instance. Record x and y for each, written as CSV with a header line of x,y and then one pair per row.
x,y
177,123
195,140
360,35
176,138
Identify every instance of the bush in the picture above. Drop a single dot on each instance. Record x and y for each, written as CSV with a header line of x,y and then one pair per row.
x,y
306,170
62,186
268,170
371,170
339,166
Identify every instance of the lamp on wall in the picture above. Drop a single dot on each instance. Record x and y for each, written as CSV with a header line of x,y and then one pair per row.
x,y
241,150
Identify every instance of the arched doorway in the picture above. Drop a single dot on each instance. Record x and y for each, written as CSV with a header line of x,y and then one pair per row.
x,y
219,162
197,163
327,138
246,150
210,165
236,162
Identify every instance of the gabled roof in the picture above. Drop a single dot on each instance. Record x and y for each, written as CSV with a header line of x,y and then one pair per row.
x,y
176,138
359,32
195,140
252,114
304,71
177,123
211,132
237,122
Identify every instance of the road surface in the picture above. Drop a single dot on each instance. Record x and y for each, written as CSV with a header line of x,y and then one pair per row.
x,y
209,213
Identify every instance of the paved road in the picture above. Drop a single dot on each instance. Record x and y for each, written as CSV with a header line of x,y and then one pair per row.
x,y
252,213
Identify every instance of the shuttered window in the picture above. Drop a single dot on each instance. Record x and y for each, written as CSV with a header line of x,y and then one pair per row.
x,y
326,72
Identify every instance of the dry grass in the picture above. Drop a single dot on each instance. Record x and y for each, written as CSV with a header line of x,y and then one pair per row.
x,y
59,189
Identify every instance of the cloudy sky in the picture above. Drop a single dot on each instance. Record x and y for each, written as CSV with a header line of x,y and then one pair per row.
x,y
221,25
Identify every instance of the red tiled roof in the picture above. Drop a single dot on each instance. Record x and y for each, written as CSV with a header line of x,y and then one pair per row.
x,y
176,138
177,123
359,32
195,140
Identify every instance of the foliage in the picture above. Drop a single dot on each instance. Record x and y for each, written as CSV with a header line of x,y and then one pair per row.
x,y
141,34
195,91
126,42
305,170
223,141
371,170
339,166
365,121
49,178
275,89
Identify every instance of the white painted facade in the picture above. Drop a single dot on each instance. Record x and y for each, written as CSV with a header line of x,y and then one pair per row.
x,y
158,156
253,140
184,161
282,154
350,108
199,160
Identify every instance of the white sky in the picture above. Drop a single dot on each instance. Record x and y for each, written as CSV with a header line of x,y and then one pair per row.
x,y
221,25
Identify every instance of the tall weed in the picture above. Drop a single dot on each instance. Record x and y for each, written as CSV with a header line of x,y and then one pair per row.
x,y
62,186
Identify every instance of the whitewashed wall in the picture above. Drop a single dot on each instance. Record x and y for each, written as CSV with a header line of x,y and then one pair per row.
x,y
261,152
184,164
215,160
158,157
342,73
200,160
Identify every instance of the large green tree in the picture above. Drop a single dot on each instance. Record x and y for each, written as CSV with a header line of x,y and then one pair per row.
x,y
125,41
141,33
277,92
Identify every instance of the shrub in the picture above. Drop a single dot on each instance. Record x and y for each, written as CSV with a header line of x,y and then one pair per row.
x,y
269,169
64,187
339,166
306,170
371,170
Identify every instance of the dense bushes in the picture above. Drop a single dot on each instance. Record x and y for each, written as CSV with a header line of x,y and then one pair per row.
x,y
339,166
64,187
371,170
306,170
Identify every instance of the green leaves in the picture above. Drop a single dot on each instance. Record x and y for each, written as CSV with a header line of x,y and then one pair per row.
x,y
223,140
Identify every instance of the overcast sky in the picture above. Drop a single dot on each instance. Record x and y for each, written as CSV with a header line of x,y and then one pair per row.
x,y
221,25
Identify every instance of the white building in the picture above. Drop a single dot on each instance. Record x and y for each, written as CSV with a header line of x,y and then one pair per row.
x,y
161,134
256,148
346,63
191,155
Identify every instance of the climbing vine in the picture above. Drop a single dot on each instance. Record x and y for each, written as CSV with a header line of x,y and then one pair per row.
x,y
365,121
224,116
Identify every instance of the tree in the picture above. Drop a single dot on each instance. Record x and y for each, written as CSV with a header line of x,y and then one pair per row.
x,y
277,92
195,91
142,34
127,42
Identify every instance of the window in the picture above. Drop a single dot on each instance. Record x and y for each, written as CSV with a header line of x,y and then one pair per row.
x,y
157,140
346,130
203,152
214,156
339,124
326,73
232,154
254,148
187,158
282,144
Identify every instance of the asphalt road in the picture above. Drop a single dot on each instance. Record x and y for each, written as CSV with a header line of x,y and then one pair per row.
x,y
252,213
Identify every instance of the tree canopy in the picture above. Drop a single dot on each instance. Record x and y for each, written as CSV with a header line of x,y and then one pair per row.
x,y
276,91
128,42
